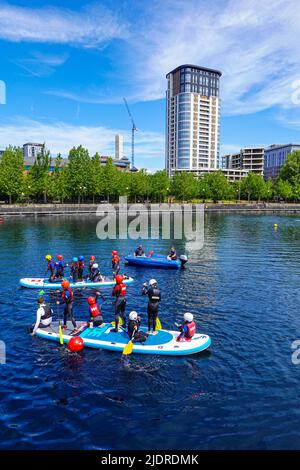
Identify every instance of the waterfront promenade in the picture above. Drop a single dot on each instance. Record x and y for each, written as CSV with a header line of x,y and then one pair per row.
x,y
7,210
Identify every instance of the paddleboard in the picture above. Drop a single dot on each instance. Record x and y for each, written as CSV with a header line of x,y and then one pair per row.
x,y
43,283
163,343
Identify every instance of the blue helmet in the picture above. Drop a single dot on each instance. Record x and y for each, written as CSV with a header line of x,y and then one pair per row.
x,y
75,260
81,258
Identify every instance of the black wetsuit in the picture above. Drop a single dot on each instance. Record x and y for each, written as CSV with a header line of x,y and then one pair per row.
x,y
173,255
139,252
139,336
154,297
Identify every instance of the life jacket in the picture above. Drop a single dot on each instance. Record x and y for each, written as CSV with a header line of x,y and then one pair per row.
x,y
75,266
115,261
154,294
91,264
80,264
59,265
139,252
94,310
71,296
51,266
47,312
120,290
191,326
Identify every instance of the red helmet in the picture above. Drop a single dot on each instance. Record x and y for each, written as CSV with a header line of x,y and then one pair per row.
x,y
91,300
92,258
119,278
65,284
114,252
59,257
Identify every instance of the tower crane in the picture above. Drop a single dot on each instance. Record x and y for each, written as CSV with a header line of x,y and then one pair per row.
x,y
133,130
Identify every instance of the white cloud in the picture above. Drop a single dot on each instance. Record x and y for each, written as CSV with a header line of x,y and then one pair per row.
x,y
61,137
254,44
90,27
39,64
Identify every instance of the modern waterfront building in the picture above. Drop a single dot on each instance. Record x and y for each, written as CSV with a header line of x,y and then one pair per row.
x,y
192,119
231,174
249,158
32,150
119,145
275,156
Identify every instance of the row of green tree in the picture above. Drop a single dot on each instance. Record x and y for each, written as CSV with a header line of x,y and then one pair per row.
x,y
84,178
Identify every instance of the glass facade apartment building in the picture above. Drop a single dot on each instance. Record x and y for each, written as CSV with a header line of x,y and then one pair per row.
x,y
275,156
192,119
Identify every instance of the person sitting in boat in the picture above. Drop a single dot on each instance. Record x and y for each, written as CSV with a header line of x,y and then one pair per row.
x,y
80,267
74,269
119,292
67,298
91,262
172,255
134,332
95,275
50,267
115,262
139,251
43,316
96,318
59,267
188,327
154,296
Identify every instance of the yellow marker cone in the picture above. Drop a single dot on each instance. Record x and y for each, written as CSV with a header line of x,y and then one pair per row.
x,y
158,324
113,323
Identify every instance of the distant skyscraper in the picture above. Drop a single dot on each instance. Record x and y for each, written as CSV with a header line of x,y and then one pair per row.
x,y
119,141
193,119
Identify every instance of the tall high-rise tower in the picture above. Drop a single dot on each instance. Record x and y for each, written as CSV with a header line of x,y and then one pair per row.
x,y
193,119
119,141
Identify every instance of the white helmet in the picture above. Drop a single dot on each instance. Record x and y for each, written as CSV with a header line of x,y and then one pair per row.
x,y
188,316
152,282
95,266
133,315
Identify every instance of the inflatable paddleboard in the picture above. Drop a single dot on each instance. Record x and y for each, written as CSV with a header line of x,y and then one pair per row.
x,y
163,343
156,261
43,283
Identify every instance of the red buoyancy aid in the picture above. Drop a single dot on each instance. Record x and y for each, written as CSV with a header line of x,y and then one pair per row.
x,y
191,326
70,298
94,310
120,290
116,259
81,264
75,266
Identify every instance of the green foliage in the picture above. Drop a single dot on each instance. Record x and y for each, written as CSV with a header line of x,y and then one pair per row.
x,y
290,170
86,178
11,172
284,189
253,187
184,186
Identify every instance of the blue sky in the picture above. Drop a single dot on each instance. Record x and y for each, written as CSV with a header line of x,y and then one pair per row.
x,y
67,65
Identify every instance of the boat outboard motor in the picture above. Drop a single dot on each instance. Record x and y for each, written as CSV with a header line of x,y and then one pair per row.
x,y
183,259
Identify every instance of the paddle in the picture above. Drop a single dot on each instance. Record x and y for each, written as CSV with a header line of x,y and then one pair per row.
x,y
59,325
129,346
